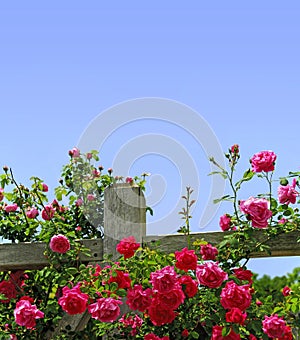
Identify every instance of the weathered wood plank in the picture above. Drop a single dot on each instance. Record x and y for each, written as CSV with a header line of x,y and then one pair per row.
x,y
282,245
124,215
21,256
31,255
69,323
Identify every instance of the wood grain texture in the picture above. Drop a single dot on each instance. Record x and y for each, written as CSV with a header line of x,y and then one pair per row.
x,y
21,256
124,215
282,245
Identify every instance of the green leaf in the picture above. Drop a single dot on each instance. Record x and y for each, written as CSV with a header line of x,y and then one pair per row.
x,y
222,173
295,308
223,198
194,335
9,196
226,331
72,271
246,177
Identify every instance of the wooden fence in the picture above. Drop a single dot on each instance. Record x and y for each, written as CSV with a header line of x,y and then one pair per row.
x,y
125,215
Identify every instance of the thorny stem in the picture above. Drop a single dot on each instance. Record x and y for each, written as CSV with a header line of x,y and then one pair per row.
x,y
21,196
189,203
230,177
270,190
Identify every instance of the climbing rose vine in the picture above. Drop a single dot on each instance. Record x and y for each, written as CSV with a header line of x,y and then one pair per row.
x,y
201,291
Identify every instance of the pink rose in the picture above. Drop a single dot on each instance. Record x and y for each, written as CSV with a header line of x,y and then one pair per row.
x,y
74,153
164,280
12,337
225,222
139,299
59,244
159,314
96,173
11,207
25,314
257,210
127,247
8,289
79,202
122,279
234,296
235,315
217,334
32,213
172,299
263,161
186,259
185,333
90,197
208,252
105,309
274,326
211,275
73,301
243,274
129,180
288,334
1,194
258,303
48,212
189,286
286,291
287,193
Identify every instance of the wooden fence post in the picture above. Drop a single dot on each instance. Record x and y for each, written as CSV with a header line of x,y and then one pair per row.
x,y
124,215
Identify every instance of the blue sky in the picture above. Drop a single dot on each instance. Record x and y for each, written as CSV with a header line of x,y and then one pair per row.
x,y
235,63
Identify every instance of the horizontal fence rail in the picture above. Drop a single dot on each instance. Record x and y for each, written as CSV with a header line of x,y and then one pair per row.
x,y
22,256
31,255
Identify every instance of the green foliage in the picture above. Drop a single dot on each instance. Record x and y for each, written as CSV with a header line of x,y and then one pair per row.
x,y
77,213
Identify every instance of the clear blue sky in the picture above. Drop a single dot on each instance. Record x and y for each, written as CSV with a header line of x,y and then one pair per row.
x,y
235,63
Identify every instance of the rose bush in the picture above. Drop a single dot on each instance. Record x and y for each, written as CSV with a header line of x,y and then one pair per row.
x,y
203,291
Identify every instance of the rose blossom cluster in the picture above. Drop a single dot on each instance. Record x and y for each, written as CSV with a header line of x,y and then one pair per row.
x,y
276,328
257,210
169,289
74,301
50,209
105,309
25,311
